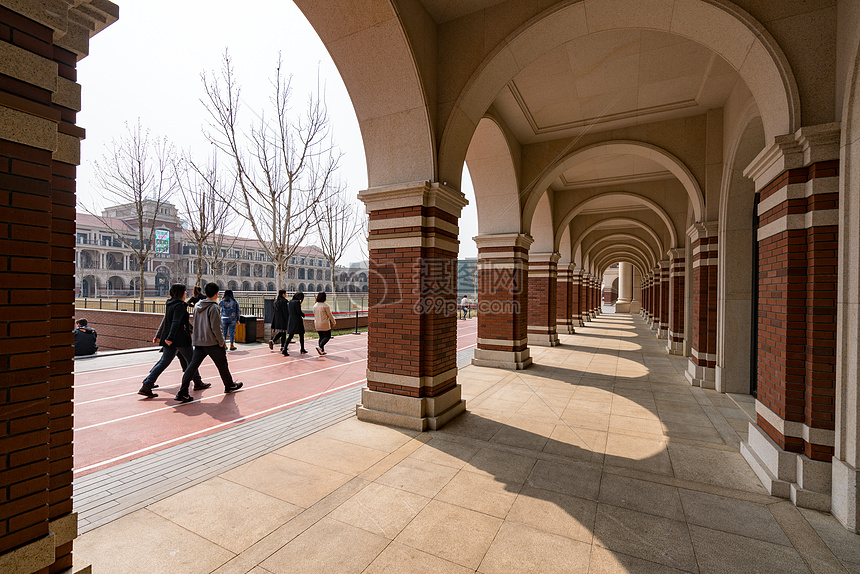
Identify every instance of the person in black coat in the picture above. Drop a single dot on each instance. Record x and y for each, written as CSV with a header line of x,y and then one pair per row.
x,y
85,339
174,336
295,322
279,320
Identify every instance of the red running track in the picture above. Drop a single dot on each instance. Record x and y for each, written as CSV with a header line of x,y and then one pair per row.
x,y
114,424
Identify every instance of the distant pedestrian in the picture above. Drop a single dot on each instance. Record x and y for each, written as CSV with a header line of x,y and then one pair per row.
x,y
464,303
196,296
85,339
229,316
295,322
279,320
174,336
208,340
323,321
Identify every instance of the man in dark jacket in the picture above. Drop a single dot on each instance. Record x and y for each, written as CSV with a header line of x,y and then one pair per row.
x,y
208,340
174,336
295,322
85,339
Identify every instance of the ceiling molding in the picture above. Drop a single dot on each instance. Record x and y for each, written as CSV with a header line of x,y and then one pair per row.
x,y
616,180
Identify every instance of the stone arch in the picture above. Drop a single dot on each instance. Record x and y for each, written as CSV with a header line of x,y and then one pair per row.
x,y
601,253
642,149
616,257
722,27
494,179
642,200
735,259
565,249
391,101
629,239
540,226
633,222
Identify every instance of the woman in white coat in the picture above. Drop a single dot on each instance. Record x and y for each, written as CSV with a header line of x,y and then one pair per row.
x,y
323,321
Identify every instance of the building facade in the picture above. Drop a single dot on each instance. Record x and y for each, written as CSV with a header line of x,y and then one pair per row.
x,y
106,265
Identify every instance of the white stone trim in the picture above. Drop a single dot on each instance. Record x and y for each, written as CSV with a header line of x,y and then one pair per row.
x,y
493,265
816,186
710,357
503,342
807,145
414,221
412,239
817,218
795,429
407,381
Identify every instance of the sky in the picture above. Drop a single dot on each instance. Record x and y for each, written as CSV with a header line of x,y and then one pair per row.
x,y
148,65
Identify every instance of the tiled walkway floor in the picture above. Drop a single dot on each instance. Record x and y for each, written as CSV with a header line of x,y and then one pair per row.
x,y
600,458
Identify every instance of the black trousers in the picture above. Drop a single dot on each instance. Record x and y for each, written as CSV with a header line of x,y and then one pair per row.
x,y
325,337
168,352
301,340
218,354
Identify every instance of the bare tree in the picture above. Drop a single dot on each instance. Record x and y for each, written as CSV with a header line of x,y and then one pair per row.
x,y
205,198
338,226
284,166
135,176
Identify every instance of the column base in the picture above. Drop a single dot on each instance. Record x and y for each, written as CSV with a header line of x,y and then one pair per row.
x,y
675,347
513,360
577,322
585,317
655,325
565,326
544,339
845,503
413,413
635,307
704,377
663,332
806,482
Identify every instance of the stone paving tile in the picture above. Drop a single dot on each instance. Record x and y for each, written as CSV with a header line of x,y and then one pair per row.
x,y
519,483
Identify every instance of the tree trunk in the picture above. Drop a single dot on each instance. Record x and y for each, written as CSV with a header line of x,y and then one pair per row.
x,y
140,286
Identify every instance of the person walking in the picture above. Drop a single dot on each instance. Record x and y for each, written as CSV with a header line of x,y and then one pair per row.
x,y
323,321
229,316
464,303
279,320
295,322
208,339
174,336
85,339
196,295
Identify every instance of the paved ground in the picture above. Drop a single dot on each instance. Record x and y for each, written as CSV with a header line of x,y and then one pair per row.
x,y
113,423
599,459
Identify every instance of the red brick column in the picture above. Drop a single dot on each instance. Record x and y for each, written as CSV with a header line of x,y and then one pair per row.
x,y
39,149
543,278
598,292
412,339
655,298
576,303
701,371
649,317
798,209
503,302
646,303
584,290
677,271
564,299
663,330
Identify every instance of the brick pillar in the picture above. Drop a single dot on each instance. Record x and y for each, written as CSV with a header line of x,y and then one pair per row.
x,y
677,271
412,339
645,299
503,302
663,330
576,304
701,371
39,149
543,276
583,296
798,209
564,299
655,289
648,305
598,292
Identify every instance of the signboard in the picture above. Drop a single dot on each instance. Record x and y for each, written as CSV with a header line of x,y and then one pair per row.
x,y
162,241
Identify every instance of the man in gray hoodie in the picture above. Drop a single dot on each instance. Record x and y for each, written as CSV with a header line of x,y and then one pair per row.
x,y
208,340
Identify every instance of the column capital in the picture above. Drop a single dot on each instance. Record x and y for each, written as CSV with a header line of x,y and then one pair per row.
x,y
662,265
702,229
544,257
807,145
416,193
496,240
675,254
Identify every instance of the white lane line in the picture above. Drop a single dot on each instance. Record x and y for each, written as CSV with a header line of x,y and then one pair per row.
x,y
179,370
179,405
77,403
240,419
